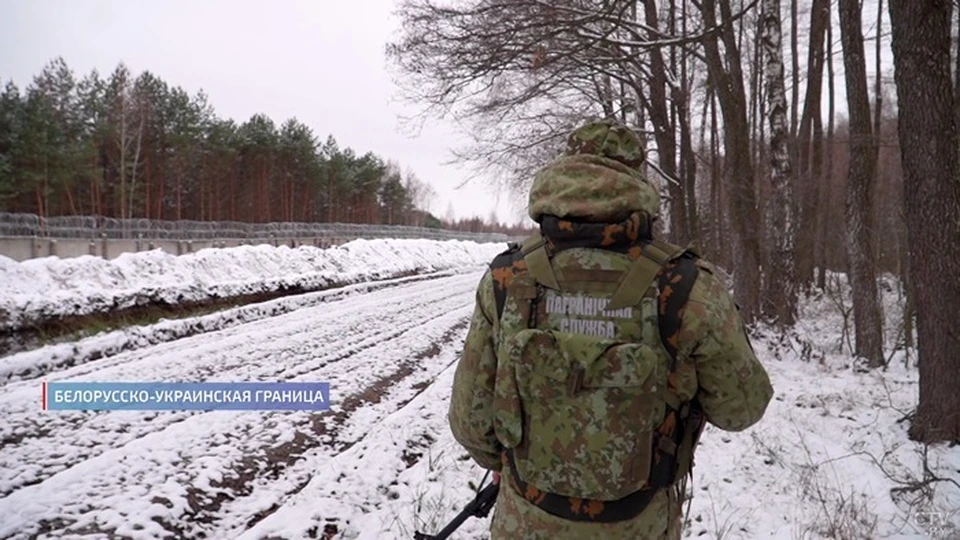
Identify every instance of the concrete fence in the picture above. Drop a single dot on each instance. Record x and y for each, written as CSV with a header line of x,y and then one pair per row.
x,y
23,248
27,236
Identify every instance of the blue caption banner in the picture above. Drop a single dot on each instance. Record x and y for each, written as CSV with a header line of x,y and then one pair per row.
x,y
146,396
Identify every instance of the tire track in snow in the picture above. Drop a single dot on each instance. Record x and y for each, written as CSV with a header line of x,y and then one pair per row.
x,y
334,432
399,316
402,474
39,362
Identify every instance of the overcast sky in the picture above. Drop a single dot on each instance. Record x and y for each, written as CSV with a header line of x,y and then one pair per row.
x,y
320,61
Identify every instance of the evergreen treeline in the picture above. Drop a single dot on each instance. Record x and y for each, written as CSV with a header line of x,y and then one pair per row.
x,y
130,146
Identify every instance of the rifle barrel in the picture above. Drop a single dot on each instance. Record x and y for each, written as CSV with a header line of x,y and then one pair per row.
x,y
478,507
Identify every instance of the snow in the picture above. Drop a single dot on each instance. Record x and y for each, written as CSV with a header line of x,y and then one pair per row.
x,y
35,363
112,461
50,287
831,458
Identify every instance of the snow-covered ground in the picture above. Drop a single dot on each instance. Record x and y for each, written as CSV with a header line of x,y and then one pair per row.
x,y
49,287
830,460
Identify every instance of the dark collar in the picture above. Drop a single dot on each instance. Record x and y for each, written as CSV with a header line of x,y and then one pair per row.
x,y
565,234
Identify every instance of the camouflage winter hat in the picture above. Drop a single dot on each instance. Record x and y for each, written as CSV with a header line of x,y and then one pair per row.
x,y
609,139
591,188
597,180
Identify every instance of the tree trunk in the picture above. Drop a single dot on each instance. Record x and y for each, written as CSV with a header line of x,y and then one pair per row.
x,y
762,163
135,166
161,193
234,193
202,189
810,143
688,160
179,189
877,121
73,207
909,312
146,187
859,200
123,155
688,157
795,79
780,291
878,82
664,132
756,118
40,210
93,187
929,144
820,253
716,181
329,196
739,171
956,73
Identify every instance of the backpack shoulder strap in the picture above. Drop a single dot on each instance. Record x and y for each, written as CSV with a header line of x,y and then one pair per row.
x,y
677,438
653,257
527,258
503,269
675,281
538,262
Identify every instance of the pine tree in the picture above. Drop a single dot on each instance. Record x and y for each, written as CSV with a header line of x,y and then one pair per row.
x,y
11,118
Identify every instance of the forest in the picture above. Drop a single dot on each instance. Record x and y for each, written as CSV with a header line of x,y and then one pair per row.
x,y
133,146
791,140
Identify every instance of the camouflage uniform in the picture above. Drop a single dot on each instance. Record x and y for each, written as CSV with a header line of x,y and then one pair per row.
x,y
595,205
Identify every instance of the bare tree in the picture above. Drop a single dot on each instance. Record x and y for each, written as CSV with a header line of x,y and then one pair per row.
x,y
956,68
859,202
688,158
421,195
663,129
780,281
139,119
810,145
825,195
127,115
717,203
878,79
520,74
795,72
929,145
725,70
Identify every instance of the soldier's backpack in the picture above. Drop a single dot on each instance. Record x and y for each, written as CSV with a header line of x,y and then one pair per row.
x,y
590,421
